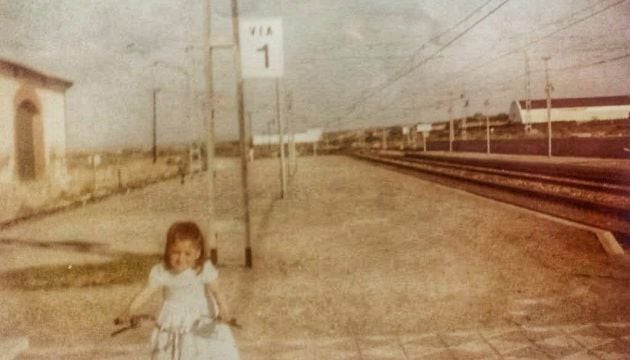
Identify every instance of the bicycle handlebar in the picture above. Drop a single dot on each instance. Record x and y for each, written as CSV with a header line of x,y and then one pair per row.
x,y
134,322
137,320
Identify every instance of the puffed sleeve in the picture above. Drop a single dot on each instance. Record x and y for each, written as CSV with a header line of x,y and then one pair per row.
x,y
209,273
157,276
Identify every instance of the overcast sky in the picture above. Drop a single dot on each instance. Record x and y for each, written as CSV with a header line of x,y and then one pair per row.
x,y
348,64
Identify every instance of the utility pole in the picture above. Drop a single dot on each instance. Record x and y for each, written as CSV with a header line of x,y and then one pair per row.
x,y
363,135
250,136
384,139
283,175
250,127
414,136
209,122
451,131
425,134
241,130
548,90
154,147
289,125
486,104
269,123
528,102
464,115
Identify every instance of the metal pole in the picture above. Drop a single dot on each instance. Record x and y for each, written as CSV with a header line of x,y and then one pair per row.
x,y
384,139
93,158
451,133
424,141
464,117
250,136
189,96
548,89
414,136
528,102
211,240
241,130
283,178
269,136
154,147
291,149
487,103
289,126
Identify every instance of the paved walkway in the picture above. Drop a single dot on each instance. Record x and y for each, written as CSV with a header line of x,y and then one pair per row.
x,y
588,341
357,262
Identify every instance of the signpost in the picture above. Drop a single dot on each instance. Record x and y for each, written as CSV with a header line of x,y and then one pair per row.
x,y
211,239
258,54
262,56
261,48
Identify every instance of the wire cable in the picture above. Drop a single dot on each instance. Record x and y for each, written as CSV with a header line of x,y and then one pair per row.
x,y
394,79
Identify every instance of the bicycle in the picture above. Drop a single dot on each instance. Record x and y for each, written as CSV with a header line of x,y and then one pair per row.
x,y
205,327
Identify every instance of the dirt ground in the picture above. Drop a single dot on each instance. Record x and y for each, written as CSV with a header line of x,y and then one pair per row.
x,y
355,250
83,182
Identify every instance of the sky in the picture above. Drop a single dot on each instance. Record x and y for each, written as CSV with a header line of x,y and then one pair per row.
x,y
347,64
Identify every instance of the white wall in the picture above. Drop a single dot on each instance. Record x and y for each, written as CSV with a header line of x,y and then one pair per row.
x,y
8,88
309,136
53,120
570,114
52,113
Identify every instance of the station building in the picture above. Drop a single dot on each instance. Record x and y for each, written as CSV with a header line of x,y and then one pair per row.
x,y
32,131
571,109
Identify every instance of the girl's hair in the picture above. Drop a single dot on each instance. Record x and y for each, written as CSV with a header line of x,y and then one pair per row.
x,y
185,230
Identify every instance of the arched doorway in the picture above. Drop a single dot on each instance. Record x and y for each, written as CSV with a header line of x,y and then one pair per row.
x,y
29,147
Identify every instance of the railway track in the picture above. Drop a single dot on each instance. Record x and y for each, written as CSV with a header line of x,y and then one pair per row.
x,y
595,197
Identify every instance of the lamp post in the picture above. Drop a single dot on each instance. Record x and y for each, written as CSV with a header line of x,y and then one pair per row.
x,y
486,105
211,239
154,128
548,90
242,130
451,132
155,92
464,115
187,75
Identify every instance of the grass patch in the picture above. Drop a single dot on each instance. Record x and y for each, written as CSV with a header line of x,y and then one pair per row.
x,y
125,269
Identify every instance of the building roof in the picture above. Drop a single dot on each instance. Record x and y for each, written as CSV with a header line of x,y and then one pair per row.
x,y
17,70
578,102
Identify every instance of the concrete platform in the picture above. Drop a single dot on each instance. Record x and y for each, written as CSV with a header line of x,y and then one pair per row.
x,y
10,348
356,261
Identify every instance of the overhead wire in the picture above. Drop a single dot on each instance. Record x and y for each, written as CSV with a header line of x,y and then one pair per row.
x,y
500,85
571,23
546,36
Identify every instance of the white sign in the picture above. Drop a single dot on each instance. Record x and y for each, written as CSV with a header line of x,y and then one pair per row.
x,y
423,128
261,47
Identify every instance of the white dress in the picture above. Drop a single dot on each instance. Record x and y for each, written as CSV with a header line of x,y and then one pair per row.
x,y
184,327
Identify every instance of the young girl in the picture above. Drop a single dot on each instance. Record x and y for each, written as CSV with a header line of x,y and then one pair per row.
x,y
186,326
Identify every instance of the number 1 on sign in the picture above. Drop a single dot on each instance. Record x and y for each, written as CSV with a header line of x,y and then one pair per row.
x,y
266,50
